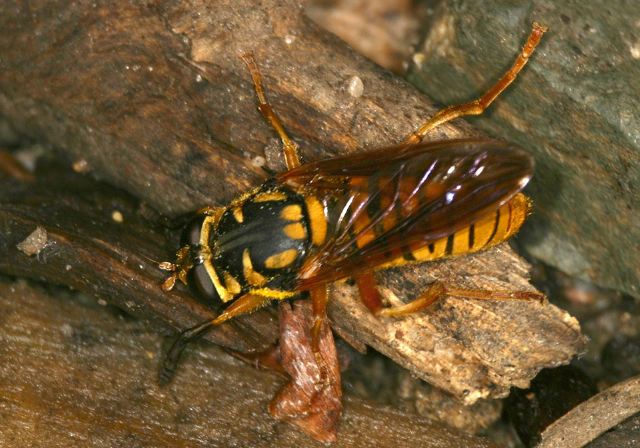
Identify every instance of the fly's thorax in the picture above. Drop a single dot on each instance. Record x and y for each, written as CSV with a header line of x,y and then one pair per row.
x,y
257,244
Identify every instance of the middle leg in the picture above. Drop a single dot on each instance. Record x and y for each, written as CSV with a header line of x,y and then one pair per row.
x,y
319,299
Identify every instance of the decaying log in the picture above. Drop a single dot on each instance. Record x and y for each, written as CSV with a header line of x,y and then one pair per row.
x,y
56,351
155,100
595,416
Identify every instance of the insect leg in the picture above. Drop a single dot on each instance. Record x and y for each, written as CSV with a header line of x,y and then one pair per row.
x,y
244,305
184,256
477,106
268,359
439,290
319,299
289,146
179,269
369,293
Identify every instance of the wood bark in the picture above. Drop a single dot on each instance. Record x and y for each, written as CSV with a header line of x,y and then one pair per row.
x,y
590,419
74,374
154,99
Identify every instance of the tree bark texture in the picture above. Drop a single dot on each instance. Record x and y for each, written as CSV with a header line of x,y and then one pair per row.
x,y
75,374
154,99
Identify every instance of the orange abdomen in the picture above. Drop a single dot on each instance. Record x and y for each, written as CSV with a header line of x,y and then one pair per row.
x,y
490,230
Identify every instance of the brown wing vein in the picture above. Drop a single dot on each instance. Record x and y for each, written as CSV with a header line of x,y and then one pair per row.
x,y
457,182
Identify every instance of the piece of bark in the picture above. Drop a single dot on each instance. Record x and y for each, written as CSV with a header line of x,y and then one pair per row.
x,y
553,393
379,29
588,420
574,109
316,411
72,374
624,435
312,400
155,99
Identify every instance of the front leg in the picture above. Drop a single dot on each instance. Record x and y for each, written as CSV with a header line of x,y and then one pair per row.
x,y
187,256
244,305
289,147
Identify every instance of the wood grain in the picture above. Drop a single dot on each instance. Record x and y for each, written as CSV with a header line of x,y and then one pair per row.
x,y
595,416
74,374
154,99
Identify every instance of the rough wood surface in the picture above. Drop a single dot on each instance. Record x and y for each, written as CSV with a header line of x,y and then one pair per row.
x,y
154,99
575,109
87,250
624,435
588,420
56,390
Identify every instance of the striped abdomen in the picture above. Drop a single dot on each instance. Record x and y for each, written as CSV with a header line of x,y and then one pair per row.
x,y
387,205
492,229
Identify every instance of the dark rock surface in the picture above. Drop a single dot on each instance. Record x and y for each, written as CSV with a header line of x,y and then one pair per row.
x,y
575,108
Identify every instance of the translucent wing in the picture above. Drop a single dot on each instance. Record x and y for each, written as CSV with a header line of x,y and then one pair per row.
x,y
381,203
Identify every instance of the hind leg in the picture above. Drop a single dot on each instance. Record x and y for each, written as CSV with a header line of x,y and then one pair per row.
x,y
477,106
439,290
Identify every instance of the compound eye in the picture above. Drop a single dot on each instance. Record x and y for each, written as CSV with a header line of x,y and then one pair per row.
x,y
191,232
202,284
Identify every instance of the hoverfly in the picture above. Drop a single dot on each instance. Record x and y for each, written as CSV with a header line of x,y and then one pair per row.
x,y
346,217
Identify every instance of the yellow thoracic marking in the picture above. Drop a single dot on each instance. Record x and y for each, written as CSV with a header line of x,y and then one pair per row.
x,y
253,278
237,214
223,292
232,284
281,259
207,224
295,231
269,196
276,294
291,213
317,220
